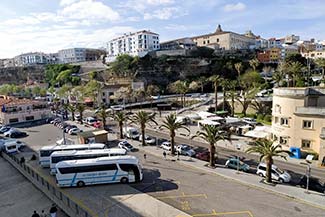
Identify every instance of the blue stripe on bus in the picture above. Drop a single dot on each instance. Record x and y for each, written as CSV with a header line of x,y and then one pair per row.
x,y
73,179
115,174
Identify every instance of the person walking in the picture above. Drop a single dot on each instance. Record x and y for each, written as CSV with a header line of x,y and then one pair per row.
x,y
43,214
178,155
53,210
145,156
164,153
35,214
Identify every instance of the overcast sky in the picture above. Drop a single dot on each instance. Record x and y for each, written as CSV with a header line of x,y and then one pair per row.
x,y
50,25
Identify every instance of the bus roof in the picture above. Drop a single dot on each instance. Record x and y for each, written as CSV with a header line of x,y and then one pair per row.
x,y
97,161
76,146
87,152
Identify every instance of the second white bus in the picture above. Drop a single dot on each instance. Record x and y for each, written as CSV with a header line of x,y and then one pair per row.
x,y
119,169
46,151
59,156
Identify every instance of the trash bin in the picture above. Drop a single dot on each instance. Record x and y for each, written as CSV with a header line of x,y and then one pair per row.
x,y
296,152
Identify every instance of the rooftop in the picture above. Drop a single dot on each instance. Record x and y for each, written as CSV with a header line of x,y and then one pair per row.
x,y
15,101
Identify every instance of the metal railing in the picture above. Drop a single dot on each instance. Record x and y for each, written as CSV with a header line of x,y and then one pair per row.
x,y
66,203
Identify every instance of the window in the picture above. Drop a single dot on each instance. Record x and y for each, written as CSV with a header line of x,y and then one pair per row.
x,y
307,124
203,42
305,143
284,121
13,120
208,42
29,118
86,169
277,108
283,140
217,39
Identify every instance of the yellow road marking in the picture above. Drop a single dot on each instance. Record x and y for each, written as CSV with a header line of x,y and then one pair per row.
x,y
214,211
183,196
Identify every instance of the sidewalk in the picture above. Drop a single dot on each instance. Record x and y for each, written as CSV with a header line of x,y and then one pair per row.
x,y
296,193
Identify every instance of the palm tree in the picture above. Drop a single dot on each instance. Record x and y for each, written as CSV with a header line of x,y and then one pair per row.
x,y
180,87
215,80
295,71
212,134
81,108
201,82
232,94
267,151
142,118
72,109
225,85
103,115
320,62
239,68
120,118
254,63
65,107
172,125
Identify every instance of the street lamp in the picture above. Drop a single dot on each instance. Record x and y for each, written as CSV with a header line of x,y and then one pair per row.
x,y
238,161
309,159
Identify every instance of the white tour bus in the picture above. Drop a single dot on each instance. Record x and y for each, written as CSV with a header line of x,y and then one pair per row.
x,y
102,170
46,151
58,156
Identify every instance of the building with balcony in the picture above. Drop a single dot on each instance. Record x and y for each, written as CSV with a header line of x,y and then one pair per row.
x,y
298,119
182,43
134,44
33,58
74,55
14,110
224,40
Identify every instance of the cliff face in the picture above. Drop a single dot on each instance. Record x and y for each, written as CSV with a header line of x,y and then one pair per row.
x,y
20,75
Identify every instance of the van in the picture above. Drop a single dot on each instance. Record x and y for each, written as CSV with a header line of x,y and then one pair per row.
x,y
131,133
9,147
277,174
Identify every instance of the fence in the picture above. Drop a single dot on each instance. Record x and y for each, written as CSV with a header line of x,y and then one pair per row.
x,y
66,203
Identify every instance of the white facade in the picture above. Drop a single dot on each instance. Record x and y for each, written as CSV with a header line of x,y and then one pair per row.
x,y
314,54
72,55
30,59
134,44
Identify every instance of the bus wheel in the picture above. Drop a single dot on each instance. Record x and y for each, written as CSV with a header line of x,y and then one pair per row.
x,y
124,180
80,184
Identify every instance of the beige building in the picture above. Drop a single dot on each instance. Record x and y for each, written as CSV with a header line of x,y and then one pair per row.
x,y
314,54
299,119
224,40
15,110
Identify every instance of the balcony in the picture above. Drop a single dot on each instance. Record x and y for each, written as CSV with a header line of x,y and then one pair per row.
x,y
310,111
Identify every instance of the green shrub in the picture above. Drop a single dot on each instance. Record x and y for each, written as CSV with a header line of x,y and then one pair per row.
x,y
268,118
260,117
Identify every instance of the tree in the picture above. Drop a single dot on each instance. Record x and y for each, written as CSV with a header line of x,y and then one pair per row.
x,y
142,118
120,118
254,63
212,134
64,91
91,90
225,85
267,151
279,74
172,125
151,91
320,62
232,94
239,68
72,109
81,108
36,91
125,65
215,79
180,87
201,82
294,71
103,115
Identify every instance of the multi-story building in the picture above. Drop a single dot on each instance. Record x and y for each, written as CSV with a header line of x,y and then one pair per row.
x,y
134,44
272,55
299,119
74,55
14,110
314,54
224,40
4,63
27,59
275,43
291,39
182,43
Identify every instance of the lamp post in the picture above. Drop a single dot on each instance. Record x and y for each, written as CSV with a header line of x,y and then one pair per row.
x,y
308,171
238,161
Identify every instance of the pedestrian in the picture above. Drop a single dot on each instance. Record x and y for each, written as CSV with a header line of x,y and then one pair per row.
x,y
145,156
53,210
43,214
164,153
22,160
178,155
35,214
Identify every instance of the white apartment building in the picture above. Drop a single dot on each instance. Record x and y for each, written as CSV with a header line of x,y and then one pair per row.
x,y
134,44
33,58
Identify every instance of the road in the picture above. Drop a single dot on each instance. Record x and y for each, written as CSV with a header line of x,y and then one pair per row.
x,y
294,169
201,194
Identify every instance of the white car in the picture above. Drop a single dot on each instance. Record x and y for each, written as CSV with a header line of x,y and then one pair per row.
x,y
185,150
148,140
74,131
166,146
276,173
19,144
250,121
9,132
126,145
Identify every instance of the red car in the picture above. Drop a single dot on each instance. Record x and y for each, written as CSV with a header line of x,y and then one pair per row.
x,y
97,124
205,155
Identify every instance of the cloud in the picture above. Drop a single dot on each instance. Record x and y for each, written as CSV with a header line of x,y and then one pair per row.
x,y
89,9
165,13
67,2
234,7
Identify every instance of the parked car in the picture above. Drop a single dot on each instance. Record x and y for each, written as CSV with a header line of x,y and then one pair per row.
x,y
126,145
185,150
4,129
90,120
68,128
166,146
55,120
251,121
233,164
74,131
14,133
19,144
205,155
314,184
97,124
148,140
276,173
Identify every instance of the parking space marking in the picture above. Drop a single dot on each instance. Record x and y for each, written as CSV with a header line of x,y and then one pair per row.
x,y
184,196
214,213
